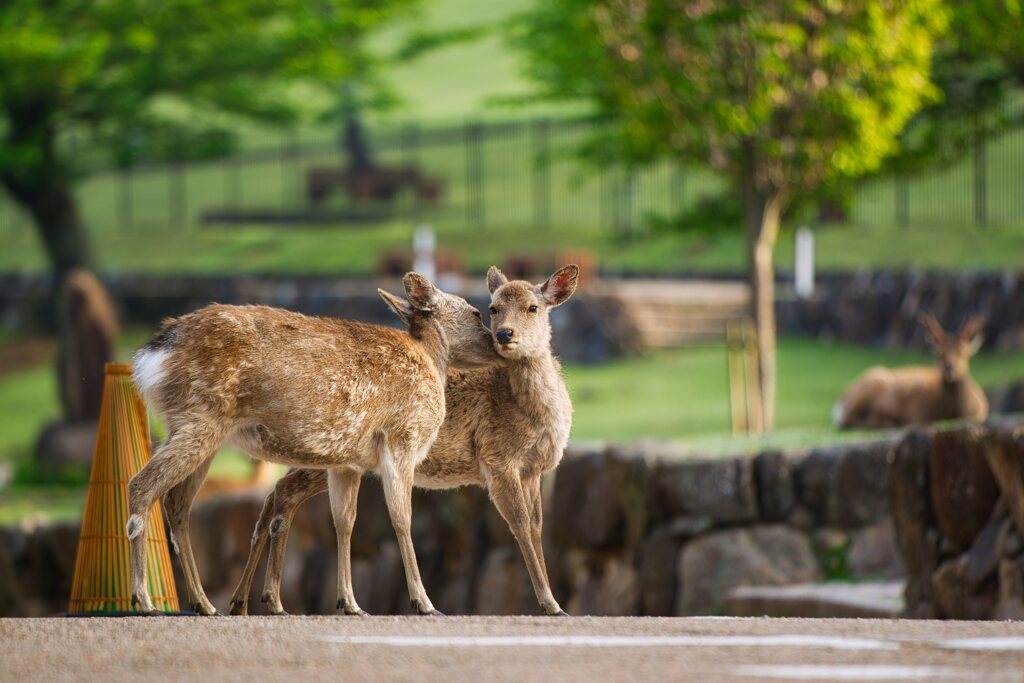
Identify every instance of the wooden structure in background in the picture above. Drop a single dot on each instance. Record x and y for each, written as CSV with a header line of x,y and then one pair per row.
x,y
745,412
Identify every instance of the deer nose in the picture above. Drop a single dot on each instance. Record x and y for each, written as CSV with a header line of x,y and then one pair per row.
x,y
504,335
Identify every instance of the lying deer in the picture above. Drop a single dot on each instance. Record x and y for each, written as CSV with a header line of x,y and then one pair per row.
x,y
882,397
334,395
504,427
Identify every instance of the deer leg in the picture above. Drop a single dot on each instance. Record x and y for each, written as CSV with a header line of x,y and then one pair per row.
x,y
184,451
177,505
398,494
343,485
291,491
240,598
535,500
511,501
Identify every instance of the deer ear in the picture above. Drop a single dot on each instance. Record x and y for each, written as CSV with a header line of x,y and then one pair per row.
x,y
560,286
421,292
397,304
975,345
933,330
495,279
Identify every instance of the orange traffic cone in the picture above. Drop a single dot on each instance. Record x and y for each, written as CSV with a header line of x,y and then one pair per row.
x,y
101,582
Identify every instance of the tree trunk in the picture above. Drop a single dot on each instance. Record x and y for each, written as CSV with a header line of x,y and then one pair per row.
x,y
762,222
44,189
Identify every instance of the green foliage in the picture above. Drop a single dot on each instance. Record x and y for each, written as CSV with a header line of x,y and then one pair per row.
x,y
125,65
797,94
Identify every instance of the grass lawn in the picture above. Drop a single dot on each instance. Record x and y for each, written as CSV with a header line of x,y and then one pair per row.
x,y
674,395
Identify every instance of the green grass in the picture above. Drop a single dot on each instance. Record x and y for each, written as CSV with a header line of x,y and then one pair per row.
x,y
674,395
683,395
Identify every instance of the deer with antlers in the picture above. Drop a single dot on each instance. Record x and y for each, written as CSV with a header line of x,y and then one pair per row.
x,y
893,397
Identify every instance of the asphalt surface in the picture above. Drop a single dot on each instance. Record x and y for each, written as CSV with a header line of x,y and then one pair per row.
x,y
427,649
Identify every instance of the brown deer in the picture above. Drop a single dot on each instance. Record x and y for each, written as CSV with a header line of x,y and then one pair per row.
x,y
504,427
882,397
322,393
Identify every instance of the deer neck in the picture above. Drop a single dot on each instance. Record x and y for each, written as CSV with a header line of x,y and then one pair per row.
x,y
955,395
434,342
536,383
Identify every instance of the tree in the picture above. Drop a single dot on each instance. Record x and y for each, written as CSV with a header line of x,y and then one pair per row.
x,y
787,98
106,68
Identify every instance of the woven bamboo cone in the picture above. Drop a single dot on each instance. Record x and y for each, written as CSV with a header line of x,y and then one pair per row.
x,y
101,582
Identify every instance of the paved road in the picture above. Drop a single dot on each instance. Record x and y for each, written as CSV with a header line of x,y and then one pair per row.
x,y
429,649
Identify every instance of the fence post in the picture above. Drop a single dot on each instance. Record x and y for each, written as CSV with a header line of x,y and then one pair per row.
x,y
126,197
678,189
980,168
474,175
629,195
541,174
177,185
410,142
902,187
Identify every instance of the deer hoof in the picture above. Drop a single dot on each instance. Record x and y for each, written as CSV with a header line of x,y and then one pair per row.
x,y
429,613
238,608
357,612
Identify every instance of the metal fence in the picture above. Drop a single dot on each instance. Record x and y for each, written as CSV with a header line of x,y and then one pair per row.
x,y
498,176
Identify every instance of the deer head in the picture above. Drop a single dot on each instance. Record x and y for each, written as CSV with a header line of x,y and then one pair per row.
x,y
469,343
519,310
953,352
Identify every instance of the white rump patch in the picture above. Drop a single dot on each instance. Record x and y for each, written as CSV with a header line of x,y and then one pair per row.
x,y
134,527
148,369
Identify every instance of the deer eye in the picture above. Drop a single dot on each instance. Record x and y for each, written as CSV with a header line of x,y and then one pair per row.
x,y
477,314
493,310
532,309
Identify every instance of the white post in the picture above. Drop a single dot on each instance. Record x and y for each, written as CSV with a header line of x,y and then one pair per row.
x,y
804,263
424,240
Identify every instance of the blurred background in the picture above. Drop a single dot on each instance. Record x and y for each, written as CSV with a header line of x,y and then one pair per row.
x,y
763,198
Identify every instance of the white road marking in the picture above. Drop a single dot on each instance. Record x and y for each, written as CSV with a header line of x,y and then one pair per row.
x,y
1007,643
837,643
849,672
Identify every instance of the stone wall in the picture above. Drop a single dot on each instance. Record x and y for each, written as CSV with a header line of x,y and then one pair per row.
x,y
958,503
876,308
879,308
630,530
586,329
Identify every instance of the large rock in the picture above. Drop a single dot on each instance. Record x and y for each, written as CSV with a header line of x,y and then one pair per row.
x,y
775,473
604,585
504,585
846,486
658,563
1010,603
962,488
874,554
1005,453
720,488
599,499
956,597
912,518
712,565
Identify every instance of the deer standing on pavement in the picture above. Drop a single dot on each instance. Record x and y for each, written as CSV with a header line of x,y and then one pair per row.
x,y
882,397
504,427
334,395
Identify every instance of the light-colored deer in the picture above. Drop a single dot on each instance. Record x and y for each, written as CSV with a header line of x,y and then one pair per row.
x,y
882,397
322,393
504,427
